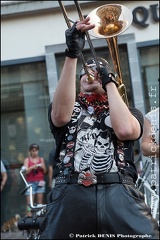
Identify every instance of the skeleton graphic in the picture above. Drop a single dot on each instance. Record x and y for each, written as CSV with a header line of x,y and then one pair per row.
x,y
94,150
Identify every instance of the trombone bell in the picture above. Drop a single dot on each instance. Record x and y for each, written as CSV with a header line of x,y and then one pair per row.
x,y
110,20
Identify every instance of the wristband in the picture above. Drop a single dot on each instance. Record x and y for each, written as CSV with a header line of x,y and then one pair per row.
x,y
71,54
111,78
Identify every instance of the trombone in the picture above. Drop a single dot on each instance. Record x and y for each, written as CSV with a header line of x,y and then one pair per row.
x,y
110,21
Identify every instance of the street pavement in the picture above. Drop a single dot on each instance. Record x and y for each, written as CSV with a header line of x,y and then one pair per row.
x,y
14,235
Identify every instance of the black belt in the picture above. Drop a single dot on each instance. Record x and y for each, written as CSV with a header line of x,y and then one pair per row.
x,y
87,179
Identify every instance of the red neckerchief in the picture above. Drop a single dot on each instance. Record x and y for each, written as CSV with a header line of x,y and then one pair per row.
x,y
98,102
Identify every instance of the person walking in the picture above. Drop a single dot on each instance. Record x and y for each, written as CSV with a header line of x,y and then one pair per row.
x,y
35,171
94,194
150,144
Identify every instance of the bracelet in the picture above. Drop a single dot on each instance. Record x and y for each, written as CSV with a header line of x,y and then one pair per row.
x,y
111,78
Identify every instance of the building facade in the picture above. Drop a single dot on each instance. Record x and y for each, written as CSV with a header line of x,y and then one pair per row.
x,y
32,56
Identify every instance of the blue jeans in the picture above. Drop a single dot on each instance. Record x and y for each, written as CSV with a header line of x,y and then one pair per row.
x,y
35,188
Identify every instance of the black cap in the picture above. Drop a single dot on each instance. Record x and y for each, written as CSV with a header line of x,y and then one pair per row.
x,y
90,61
33,145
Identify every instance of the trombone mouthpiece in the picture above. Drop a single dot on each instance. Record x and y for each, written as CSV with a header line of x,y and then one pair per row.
x,y
90,79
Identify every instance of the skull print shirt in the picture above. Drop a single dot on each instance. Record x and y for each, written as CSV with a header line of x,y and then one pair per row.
x,y
94,144
88,141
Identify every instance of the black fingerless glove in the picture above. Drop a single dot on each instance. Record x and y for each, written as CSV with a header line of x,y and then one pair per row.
x,y
106,77
75,41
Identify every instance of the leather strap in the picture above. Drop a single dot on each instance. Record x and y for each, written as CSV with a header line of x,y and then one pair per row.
x,y
105,178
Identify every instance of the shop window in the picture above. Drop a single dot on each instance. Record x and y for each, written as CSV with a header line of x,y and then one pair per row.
x,y
149,58
24,120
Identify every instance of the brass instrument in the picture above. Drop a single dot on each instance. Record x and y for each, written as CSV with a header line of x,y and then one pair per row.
x,y
110,21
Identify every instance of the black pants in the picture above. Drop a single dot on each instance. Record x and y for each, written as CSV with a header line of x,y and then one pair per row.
x,y
99,211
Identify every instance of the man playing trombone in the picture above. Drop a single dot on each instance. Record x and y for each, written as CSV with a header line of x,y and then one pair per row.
x,y
94,194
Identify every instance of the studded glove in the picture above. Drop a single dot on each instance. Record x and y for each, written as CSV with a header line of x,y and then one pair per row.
x,y
106,77
75,41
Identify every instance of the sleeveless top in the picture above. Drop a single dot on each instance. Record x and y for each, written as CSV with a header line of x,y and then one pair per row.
x,y
35,175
